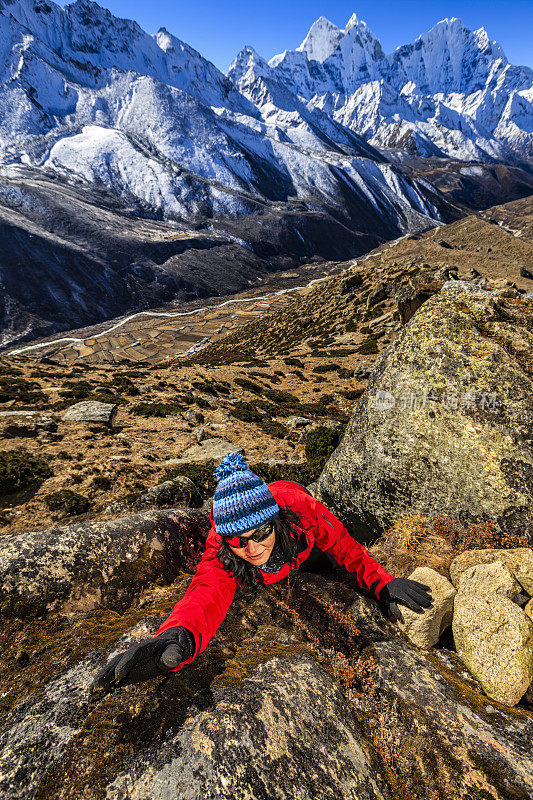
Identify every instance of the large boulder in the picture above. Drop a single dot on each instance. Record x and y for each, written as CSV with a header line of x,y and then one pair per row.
x,y
91,411
323,701
445,425
79,567
494,637
477,748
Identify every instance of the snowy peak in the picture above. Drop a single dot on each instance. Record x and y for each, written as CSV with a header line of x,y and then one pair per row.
x,y
352,22
448,58
322,39
247,65
451,92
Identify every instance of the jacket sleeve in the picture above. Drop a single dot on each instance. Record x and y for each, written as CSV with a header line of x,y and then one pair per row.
x,y
205,603
333,537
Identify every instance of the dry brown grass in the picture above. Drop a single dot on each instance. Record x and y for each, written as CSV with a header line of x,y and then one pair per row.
x,y
414,541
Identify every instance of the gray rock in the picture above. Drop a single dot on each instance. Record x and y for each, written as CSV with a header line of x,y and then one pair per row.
x,y
83,566
191,415
36,733
494,578
297,422
25,423
177,491
518,560
445,423
91,411
425,629
210,449
285,733
199,434
494,637
475,749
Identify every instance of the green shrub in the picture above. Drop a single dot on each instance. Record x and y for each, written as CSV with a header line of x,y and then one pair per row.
x,y
283,398
156,409
67,501
79,390
202,475
250,386
19,469
123,384
201,403
246,412
368,347
21,390
321,442
305,473
326,368
294,362
102,482
351,394
65,455
274,429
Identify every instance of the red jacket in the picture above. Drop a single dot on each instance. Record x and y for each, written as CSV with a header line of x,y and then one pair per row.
x,y
210,593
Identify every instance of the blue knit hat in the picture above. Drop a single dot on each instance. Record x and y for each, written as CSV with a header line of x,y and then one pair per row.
x,y
242,500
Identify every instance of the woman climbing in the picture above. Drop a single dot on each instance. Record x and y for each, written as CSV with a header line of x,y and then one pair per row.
x,y
258,534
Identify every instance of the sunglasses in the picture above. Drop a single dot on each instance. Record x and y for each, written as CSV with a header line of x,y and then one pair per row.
x,y
259,536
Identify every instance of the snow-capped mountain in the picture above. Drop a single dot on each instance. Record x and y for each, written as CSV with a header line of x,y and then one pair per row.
x,y
94,97
452,92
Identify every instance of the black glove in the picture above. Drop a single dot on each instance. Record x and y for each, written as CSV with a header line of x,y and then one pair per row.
x,y
411,593
145,660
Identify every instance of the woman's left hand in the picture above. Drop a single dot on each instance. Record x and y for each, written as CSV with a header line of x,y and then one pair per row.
x,y
415,595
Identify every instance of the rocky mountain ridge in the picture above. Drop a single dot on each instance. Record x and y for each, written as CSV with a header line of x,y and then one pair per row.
x,y
452,92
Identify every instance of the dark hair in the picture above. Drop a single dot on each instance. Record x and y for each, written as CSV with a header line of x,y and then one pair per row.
x,y
287,527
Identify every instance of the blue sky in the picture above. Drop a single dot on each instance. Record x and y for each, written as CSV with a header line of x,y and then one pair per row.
x,y
220,29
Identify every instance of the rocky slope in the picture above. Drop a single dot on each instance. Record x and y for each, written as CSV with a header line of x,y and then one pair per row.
x,y
96,549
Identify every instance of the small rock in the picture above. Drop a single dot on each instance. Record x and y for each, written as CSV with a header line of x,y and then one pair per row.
x,y
210,449
199,434
91,411
425,629
191,415
297,422
518,560
493,578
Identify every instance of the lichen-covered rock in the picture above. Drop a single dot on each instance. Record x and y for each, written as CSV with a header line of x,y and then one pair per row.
x,y
477,748
528,610
285,733
91,411
425,629
446,422
494,578
81,566
494,638
518,560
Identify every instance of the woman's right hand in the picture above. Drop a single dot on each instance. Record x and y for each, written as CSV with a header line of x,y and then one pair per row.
x,y
144,660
